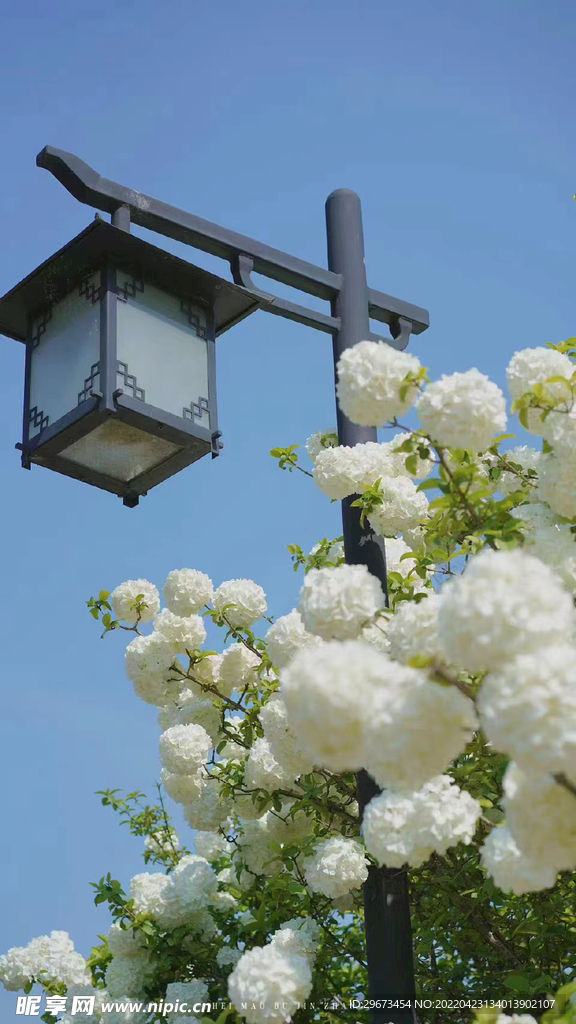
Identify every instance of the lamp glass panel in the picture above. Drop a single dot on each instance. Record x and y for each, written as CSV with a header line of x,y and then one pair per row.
x,y
119,450
65,360
162,350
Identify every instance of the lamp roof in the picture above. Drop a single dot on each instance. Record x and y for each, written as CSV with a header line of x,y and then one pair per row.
x,y
59,274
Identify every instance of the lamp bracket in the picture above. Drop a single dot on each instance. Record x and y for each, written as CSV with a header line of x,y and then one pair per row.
x,y
242,267
127,205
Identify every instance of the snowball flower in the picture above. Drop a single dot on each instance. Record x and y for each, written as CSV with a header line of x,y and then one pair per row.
x,y
256,851
415,729
211,845
329,695
129,974
195,991
401,506
376,634
505,603
335,553
528,710
370,376
186,634
395,548
463,410
337,603
338,471
534,516
509,868
558,484
336,866
162,842
413,631
149,890
286,637
248,598
200,712
281,740
262,769
527,459
227,956
533,366
407,828
124,941
321,440
299,936
194,884
555,545
125,596
184,748
541,816
207,812
238,667
149,657
270,983
182,788
46,957
205,672
187,591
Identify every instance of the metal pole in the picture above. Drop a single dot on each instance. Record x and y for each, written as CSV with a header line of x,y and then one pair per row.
x,y
386,896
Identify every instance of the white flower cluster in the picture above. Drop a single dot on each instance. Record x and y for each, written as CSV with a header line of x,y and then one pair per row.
x,y
370,376
238,666
558,484
165,841
49,957
271,983
149,661
125,596
227,956
210,845
341,471
388,718
184,749
396,547
298,936
504,604
286,637
463,410
177,898
338,602
208,810
532,366
281,739
413,630
247,598
406,828
527,459
512,870
542,818
337,866
401,507
320,441
555,545
185,634
132,973
187,591
528,710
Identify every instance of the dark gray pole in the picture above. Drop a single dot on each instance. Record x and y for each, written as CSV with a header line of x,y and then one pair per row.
x,y
386,897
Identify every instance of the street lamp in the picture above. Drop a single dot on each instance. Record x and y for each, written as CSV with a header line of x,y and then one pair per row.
x,y
120,387
155,314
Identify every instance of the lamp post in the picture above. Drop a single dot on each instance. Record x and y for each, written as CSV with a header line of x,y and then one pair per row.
x,y
112,298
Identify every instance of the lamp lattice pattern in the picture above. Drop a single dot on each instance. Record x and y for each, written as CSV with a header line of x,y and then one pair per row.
x,y
41,326
38,419
129,381
89,383
196,410
195,321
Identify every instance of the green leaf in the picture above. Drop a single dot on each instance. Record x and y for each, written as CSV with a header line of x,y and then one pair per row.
x,y
517,982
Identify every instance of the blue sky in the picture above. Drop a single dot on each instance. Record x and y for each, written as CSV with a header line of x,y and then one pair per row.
x,y
452,121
